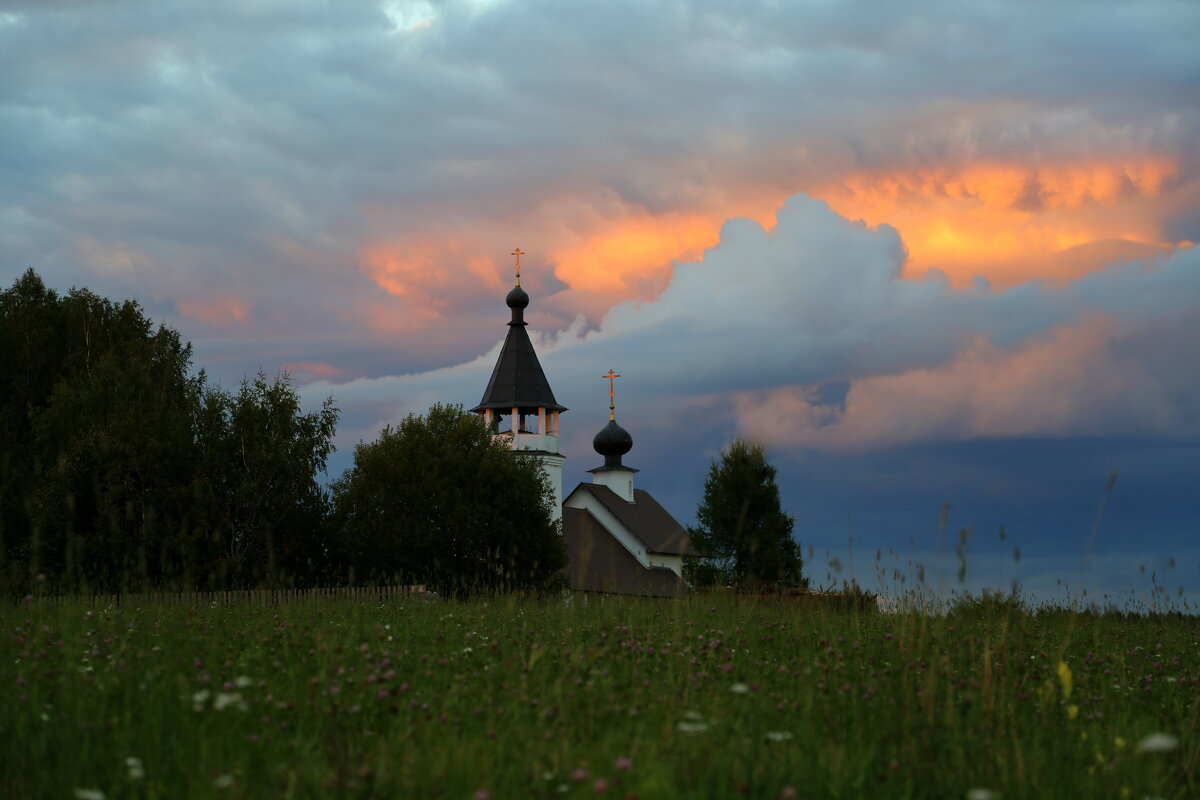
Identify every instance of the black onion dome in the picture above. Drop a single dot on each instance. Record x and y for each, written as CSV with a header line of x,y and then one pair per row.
x,y
613,440
517,298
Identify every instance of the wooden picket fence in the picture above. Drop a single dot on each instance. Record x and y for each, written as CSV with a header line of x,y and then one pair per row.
x,y
254,597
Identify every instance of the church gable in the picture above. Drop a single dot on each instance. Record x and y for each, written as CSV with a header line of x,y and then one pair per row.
x,y
597,562
654,528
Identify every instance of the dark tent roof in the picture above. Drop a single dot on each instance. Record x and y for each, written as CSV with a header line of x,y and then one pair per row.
x,y
597,562
645,518
518,380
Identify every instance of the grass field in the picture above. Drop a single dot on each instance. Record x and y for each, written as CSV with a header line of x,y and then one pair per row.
x,y
706,697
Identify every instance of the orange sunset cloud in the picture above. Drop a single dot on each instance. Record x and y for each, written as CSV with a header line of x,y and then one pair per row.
x,y
1013,222
1009,222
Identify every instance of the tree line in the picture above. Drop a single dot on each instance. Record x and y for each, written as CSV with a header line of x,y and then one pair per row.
x,y
122,469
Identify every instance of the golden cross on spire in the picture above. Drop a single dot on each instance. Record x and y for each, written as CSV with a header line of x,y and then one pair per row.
x,y
518,253
612,395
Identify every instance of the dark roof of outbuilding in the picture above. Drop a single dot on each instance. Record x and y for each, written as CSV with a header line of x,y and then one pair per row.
x,y
517,380
648,521
597,562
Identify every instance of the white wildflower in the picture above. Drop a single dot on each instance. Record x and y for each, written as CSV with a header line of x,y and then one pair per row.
x,y
223,781
243,681
980,793
226,700
136,770
778,736
692,715
739,688
1158,743
90,794
692,727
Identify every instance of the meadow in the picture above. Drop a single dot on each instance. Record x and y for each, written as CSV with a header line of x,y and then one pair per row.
x,y
711,696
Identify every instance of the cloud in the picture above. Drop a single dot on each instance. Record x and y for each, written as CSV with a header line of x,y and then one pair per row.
x,y
339,168
766,319
1066,384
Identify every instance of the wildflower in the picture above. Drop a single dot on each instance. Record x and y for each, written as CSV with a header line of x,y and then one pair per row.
x,y
600,786
623,764
1064,680
579,775
1072,711
89,794
1119,743
778,736
739,688
226,700
1158,743
691,727
982,794
223,781
199,699
788,793
242,681
482,794
136,771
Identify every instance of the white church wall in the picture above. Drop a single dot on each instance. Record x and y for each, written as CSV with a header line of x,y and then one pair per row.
x,y
673,563
619,480
553,465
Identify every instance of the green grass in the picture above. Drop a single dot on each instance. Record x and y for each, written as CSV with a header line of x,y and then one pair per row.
x,y
706,697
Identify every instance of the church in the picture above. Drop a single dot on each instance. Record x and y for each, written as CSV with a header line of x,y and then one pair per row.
x,y
619,539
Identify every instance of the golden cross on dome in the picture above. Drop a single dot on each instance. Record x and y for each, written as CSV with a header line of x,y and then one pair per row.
x,y
518,253
612,395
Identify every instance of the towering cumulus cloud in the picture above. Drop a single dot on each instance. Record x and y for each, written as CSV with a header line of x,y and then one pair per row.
x,y
769,319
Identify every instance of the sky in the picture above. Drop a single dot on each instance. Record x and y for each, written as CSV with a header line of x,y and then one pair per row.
x,y
938,257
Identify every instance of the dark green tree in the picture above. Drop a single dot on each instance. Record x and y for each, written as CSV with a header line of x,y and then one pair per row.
x,y
120,470
440,501
260,508
99,421
742,530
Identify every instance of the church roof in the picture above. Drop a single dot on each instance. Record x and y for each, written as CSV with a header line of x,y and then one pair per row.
x,y
645,519
597,562
517,380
